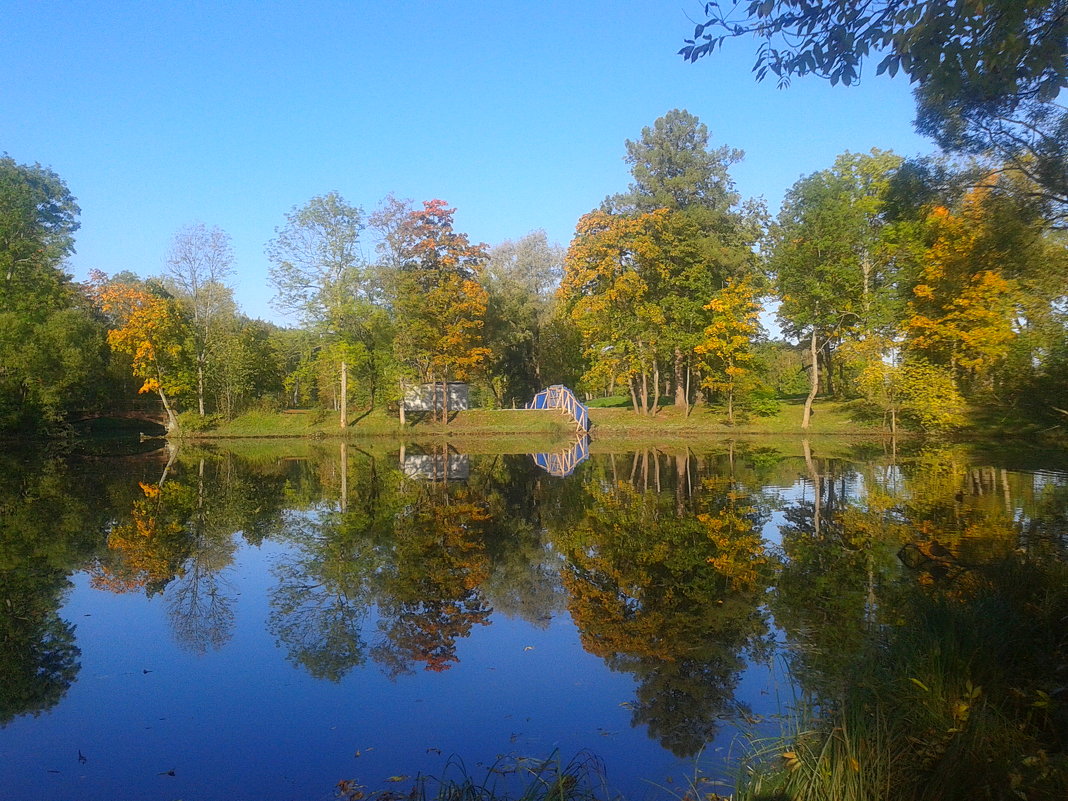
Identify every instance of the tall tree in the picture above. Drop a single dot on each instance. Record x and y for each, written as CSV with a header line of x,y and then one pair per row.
x,y
52,348
38,218
521,279
674,168
199,262
438,299
319,274
708,235
827,259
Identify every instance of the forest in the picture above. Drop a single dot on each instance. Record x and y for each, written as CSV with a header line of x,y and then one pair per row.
x,y
922,289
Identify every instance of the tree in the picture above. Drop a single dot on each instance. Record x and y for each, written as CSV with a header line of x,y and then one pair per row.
x,y
521,278
198,264
961,313
52,348
150,329
706,237
828,261
319,275
38,218
728,342
611,267
673,167
987,72
437,297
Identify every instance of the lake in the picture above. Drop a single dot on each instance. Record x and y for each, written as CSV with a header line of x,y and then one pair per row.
x,y
298,619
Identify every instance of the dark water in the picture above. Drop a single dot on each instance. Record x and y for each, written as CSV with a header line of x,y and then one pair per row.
x,y
265,623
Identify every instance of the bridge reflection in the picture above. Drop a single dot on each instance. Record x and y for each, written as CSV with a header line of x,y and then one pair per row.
x,y
563,463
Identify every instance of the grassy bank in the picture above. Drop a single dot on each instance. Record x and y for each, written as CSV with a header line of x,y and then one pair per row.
x,y
830,417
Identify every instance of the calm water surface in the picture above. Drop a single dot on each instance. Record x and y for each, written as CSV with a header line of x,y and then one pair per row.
x,y
264,623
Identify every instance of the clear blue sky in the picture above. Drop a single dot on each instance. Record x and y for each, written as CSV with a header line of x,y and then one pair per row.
x,y
162,114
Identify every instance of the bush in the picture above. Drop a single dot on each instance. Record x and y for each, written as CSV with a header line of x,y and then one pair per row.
x,y
192,421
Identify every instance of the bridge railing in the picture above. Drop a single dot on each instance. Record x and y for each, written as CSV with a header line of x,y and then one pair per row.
x,y
560,397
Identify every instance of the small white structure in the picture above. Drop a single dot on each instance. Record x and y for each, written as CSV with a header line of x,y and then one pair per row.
x,y
432,397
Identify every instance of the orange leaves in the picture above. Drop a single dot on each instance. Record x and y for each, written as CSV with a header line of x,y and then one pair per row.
x,y
961,311
440,300
146,326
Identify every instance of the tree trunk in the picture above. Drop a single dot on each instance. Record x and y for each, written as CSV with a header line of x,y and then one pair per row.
x,y
828,367
633,394
172,418
656,387
814,380
645,391
682,394
200,383
343,404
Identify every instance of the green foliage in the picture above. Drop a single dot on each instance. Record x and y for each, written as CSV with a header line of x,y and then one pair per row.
x,y
673,168
916,390
987,73
38,218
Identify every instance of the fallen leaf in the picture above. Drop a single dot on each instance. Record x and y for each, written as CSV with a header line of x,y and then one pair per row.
x,y
396,778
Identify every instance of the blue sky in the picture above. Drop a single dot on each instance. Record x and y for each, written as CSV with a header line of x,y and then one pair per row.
x,y
158,115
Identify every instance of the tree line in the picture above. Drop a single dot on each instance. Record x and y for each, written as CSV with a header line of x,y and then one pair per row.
x,y
916,286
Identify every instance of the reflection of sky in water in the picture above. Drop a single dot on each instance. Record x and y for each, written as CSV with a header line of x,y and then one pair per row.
x,y
242,722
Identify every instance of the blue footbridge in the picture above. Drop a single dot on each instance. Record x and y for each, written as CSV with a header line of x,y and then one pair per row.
x,y
563,400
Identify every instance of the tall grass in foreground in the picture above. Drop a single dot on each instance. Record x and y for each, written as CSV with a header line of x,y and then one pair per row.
x,y
514,778
961,697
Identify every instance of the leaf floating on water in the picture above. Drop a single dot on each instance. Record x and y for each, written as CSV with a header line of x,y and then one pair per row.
x,y
81,757
397,779
627,705
528,648
166,772
432,750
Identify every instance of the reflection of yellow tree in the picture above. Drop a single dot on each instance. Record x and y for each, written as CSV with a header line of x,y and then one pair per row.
x,y
673,600
432,594
147,549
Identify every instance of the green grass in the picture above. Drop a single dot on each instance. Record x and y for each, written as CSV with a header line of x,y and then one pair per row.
x,y
611,422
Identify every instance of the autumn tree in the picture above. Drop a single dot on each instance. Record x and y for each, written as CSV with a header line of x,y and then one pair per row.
x,y
198,264
437,297
609,286
707,236
961,313
727,348
150,328
319,275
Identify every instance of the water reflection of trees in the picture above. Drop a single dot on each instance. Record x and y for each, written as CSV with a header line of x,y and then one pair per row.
x,y
656,555
925,601
50,524
665,575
